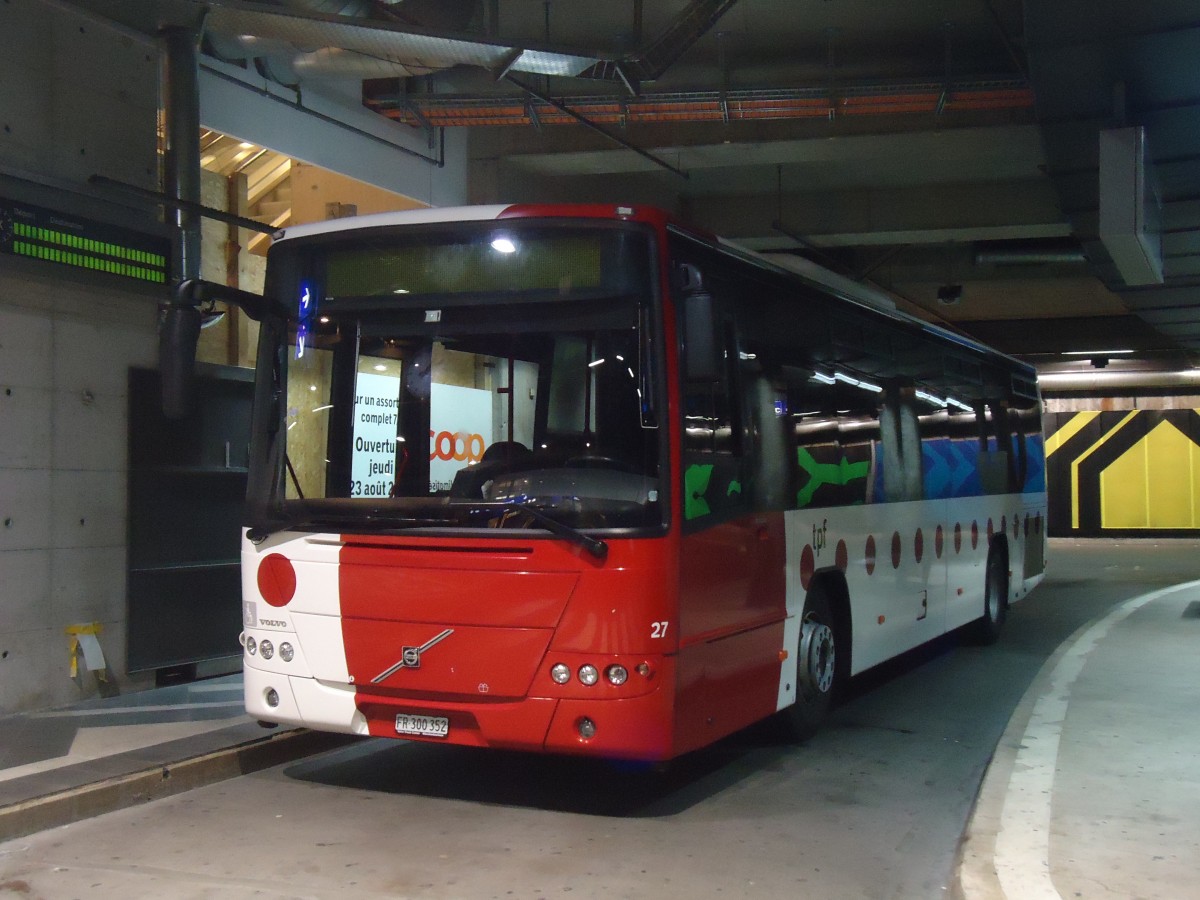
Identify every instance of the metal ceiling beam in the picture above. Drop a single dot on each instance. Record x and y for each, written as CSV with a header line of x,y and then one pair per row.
x,y
743,105
599,129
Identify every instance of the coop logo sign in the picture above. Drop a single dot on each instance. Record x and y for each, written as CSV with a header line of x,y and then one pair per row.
x,y
458,446
460,429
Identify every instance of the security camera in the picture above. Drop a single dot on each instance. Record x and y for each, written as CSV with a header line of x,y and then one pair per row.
x,y
949,294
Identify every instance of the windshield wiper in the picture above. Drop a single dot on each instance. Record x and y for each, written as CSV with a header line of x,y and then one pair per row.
x,y
594,546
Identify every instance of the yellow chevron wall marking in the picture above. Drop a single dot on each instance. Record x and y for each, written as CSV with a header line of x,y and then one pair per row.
x,y
1090,450
1153,484
1072,427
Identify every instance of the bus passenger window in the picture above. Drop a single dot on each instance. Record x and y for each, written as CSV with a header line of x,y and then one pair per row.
x,y
710,423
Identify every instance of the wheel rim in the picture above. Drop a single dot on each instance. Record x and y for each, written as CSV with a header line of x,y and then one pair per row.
x,y
817,657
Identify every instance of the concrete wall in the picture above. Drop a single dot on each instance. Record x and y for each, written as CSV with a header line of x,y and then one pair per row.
x,y
77,99
64,353
80,98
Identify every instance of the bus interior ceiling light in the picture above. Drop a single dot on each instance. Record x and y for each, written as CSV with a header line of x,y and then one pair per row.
x,y
857,382
503,245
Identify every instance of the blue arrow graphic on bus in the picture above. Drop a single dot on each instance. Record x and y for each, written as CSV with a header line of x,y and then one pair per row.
x,y
964,467
937,469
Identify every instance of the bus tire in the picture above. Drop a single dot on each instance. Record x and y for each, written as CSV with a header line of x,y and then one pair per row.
x,y
995,598
818,669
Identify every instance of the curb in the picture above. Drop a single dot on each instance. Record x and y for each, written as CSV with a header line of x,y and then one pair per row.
x,y
977,873
63,807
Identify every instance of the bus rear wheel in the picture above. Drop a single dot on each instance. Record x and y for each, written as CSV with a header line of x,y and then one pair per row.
x,y
817,669
995,600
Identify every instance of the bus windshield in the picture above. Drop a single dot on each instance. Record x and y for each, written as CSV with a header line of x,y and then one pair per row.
x,y
467,378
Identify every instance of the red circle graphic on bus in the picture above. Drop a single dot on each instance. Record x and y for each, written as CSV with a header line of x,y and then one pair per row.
x,y
939,541
974,535
457,445
277,579
919,545
957,536
869,554
895,549
807,565
841,557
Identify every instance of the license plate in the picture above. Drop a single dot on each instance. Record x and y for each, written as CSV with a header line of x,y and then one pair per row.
x,y
423,726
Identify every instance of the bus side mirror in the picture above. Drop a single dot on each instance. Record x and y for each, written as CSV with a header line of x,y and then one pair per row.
x,y
178,333
702,344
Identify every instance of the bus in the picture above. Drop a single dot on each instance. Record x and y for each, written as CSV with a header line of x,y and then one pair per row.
x,y
579,480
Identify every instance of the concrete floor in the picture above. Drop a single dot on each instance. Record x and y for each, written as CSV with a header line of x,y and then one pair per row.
x,y
1084,710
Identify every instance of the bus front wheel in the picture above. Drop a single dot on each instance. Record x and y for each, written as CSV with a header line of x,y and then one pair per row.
x,y
817,668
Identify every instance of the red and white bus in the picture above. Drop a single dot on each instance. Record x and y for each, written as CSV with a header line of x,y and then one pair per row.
x,y
579,480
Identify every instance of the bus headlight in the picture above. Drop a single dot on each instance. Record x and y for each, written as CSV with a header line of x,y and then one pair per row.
x,y
286,653
588,675
616,674
266,648
251,646
561,673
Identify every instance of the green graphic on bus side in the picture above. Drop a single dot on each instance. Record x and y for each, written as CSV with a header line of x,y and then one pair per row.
x,y
735,487
821,474
695,486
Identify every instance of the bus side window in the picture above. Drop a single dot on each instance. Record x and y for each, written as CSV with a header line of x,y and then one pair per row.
x,y
995,459
714,476
710,420
900,441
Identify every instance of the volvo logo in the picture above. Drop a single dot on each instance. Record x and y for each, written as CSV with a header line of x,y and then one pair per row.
x,y
410,657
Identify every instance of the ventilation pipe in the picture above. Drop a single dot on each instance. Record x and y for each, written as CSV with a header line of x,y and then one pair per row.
x,y
1029,254
179,328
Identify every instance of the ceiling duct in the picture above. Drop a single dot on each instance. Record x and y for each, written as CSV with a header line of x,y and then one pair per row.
x,y
304,38
1130,213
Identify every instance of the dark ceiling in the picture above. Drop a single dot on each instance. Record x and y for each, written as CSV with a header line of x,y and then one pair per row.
x,y
920,146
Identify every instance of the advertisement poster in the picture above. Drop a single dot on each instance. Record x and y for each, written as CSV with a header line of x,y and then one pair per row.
x,y
373,465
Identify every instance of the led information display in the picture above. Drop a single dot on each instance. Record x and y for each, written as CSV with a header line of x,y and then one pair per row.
x,y
37,233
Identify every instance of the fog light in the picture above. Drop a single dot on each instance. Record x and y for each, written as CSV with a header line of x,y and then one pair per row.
x,y
266,648
286,652
251,646
561,674
588,675
586,727
272,697
644,670
616,674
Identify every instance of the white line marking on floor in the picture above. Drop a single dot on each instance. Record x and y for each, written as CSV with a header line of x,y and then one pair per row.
x,y
1022,855
121,710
